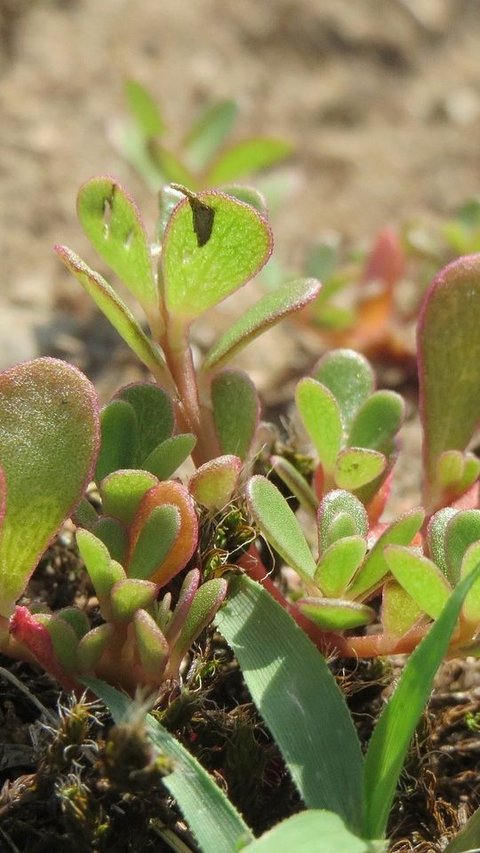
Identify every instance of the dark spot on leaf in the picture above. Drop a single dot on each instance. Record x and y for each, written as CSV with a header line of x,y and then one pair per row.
x,y
203,217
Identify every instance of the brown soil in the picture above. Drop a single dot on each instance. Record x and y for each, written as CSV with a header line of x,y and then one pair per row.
x,y
382,102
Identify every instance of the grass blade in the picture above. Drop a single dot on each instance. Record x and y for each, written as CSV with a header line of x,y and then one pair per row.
x,y
298,698
312,831
468,840
397,723
212,818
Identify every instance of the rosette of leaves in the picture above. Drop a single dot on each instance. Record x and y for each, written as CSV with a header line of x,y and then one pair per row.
x,y
210,245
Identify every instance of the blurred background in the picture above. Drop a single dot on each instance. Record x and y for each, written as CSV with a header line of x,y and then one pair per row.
x,y
380,100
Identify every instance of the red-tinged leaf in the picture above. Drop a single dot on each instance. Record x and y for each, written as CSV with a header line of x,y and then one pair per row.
x,y
28,631
204,260
112,223
154,542
49,433
152,646
115,311
185,598
169,492
386,261
272,308
202,610
334,614
448,359
213,484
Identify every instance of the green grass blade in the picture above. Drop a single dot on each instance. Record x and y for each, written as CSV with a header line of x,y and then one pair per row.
x,y
212,818
312,831
298,698
397,723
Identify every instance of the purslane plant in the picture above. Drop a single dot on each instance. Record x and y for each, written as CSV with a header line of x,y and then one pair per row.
x,y
146,529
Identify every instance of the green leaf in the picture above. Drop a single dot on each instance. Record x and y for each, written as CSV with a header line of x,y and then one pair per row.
x,y
164,460
448,358
340,514
296,482
112,223
334,614
49,434
338,565
122,492
421,578
115,311
247,157
436,537
102,570
285,300
471,606
151,644
114,535
213,484
214,821
209,132
119,439
63,637
129,595
298,698
279,525
92,646
375,567
199,270
394,730
324,258
169,166
203,608
320,415
462,530
349,377
250,196
144,109
399,611
235,411
377,421
153,408
154,542
356,467
312,831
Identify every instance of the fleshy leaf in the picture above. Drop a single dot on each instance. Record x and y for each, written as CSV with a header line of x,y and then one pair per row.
x,y
279,525
76,618
119,439
92,646
63,637
247,157
115,311
156,537
235,411
153,408
399,610
185,598
151,643
420,577
349,377
340,505
377,421
112,223
209,133
199,270
436,536
129,595
212,484
102,570
321,417
338,565
375,567
164,460
356,467
122,492
114,535
203,608
285,300
172,493
333,614
295,482
471,605
448,358
49,435
461,531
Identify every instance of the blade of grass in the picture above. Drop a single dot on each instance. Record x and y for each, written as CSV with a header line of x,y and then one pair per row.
x,y
212,818
397,723
298,698
468,839
312,831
